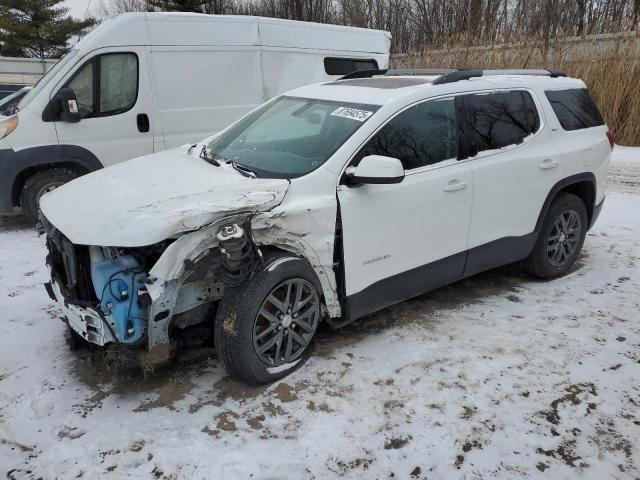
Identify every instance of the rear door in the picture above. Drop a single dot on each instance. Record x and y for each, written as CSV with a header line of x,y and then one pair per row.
x,y
515,165
403,239
114,98
580,134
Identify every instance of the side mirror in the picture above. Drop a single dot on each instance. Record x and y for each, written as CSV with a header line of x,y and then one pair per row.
x,y
69,111
376,169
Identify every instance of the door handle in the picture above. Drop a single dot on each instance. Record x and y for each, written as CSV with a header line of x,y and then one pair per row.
x,y
455,185
143,122
547,163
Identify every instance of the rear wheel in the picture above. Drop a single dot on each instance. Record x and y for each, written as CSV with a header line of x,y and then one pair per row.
x,y
561,238
266,329
40,183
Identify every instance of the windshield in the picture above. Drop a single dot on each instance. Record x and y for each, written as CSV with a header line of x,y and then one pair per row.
x,y
46,78
289,137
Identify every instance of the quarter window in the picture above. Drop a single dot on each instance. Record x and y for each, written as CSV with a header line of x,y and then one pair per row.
x,y
492,121
106,85
422,135
575,108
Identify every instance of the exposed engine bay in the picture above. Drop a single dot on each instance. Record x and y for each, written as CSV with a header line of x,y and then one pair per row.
x,y
105,289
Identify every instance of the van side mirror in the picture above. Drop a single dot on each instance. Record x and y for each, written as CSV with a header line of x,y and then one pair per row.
x,y
69,111
376,169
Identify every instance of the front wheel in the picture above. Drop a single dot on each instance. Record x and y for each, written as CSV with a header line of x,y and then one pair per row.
x,y
560,239
266,328
40,183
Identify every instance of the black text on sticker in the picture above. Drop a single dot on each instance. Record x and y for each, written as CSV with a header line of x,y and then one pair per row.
x,y
352,113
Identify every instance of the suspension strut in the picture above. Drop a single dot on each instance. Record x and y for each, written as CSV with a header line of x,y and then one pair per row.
x,y
238,254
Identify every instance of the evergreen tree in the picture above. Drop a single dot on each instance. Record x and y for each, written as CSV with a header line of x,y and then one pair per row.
x,y
37,28
176,5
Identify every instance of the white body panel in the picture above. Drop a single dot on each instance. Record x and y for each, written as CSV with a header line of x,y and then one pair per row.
x,y
511,186
114,138
152,198
391,229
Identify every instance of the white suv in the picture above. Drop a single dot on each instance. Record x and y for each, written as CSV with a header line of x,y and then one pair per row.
x,y
326,204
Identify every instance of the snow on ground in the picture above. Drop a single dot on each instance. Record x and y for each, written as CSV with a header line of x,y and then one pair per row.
x,y
626,154
624,171
497,376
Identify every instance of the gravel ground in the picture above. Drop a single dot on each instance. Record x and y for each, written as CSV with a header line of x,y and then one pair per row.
x,y
497,376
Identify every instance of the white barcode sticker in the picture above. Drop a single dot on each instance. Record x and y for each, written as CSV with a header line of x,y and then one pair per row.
x,y
352,113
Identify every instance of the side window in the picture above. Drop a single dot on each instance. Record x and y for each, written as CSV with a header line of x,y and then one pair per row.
x,y
107,85
82,84
575,108
118,82
422,135
343,66
496,120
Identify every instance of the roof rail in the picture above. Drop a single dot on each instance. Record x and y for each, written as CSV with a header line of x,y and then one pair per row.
x,y
420,71
363,74
467,74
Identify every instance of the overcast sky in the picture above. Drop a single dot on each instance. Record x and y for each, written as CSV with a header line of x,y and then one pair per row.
x,y
78,8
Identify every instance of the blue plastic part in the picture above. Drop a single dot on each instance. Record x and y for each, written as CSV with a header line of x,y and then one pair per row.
x,y
116,284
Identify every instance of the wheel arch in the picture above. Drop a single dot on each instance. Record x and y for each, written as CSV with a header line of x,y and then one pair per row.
x,y
35,159
583,185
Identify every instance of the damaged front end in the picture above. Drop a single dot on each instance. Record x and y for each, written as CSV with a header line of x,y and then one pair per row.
x,y
128,296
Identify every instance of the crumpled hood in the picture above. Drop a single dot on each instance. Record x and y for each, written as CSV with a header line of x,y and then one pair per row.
x,y
151,198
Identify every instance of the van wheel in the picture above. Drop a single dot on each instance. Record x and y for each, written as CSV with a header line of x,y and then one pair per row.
x,y
266,329
37,185
560,239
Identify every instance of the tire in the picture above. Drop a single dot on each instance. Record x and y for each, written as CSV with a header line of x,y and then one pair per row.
x,y
241,329
560,239
40,183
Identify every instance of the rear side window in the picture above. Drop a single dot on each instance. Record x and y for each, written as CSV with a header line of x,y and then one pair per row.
x,y
421,135
491,121
575,108
344,66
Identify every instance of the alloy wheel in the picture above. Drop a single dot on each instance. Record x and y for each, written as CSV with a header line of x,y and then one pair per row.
x,y
564,238
286,322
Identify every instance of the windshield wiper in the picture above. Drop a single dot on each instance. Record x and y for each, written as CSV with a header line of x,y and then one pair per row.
x,y
243,170
204,156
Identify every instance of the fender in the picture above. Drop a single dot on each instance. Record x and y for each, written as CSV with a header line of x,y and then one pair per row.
x,y
17,166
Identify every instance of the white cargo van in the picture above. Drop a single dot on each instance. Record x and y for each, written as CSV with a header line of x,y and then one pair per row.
x,y
145,82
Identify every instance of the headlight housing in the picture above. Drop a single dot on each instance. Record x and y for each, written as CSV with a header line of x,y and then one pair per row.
x,y
8,125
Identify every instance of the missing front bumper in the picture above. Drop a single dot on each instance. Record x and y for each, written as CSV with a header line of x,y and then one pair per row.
x,y
87,322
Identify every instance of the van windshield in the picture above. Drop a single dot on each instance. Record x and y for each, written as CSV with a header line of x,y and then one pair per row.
x,y
44,80
289,137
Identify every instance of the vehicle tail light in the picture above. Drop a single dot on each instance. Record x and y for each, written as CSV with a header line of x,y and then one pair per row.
x,y
612,138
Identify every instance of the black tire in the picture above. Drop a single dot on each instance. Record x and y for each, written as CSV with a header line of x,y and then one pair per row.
x,y
547,261
237,318
40,183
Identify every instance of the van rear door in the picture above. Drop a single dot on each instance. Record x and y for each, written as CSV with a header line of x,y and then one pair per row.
x,y
113,93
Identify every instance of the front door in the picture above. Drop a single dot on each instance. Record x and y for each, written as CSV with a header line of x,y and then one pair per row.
x,y
114,100
404,239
